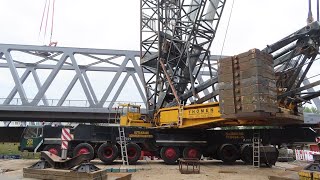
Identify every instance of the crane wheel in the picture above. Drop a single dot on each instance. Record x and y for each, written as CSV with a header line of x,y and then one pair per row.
x,y
134,153
83,148
191,152
53,149
107,153
246,153
228,153
170,154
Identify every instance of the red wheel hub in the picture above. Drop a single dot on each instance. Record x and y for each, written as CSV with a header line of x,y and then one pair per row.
x,y
108,152
193,153
83,151
227,152
170,153
53,151
132,152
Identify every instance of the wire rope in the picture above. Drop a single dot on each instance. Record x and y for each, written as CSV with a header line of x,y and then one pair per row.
x,y
225,35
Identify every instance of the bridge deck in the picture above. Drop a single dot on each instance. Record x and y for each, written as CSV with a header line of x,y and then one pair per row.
x,y
56,114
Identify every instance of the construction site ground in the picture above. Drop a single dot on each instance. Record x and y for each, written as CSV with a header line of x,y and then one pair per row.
x,y
156,169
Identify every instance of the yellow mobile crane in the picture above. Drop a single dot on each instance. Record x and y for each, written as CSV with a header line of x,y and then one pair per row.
x,y
262,102
254,88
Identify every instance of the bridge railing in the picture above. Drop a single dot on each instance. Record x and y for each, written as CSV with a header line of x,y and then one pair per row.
x,y
66,103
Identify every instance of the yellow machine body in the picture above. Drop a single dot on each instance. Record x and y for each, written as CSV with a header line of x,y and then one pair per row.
x,y
190,116
177,117
131,116
197,116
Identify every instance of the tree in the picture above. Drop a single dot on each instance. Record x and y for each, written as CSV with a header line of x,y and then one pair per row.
x,y
311,110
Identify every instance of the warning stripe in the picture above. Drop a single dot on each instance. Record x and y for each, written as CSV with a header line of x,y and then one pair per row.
x,y
65,138
64,145
66,134
66,131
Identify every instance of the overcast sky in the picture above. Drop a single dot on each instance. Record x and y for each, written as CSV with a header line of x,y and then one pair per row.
x,y
115,24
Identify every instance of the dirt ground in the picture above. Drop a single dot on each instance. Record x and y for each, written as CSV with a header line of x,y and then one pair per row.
x,y
155,169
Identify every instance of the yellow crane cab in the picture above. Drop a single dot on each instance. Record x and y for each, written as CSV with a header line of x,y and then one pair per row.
x,y
131,116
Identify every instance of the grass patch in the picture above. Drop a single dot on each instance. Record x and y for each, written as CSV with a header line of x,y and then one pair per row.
x,y
12,149
9,148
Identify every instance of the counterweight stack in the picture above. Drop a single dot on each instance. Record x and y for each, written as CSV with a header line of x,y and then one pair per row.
x,y
247,85
268,85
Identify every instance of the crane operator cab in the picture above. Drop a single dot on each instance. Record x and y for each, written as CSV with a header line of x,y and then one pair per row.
x,y
131,116
31,138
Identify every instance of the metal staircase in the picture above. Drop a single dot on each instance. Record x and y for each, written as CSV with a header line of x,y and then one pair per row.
x,y
256,149
123,146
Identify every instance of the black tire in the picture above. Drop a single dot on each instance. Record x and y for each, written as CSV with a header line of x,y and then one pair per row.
x,y
246,153
53,148
269,155
83,148
228,153
170,154
268,165
107,153
134,153
191,152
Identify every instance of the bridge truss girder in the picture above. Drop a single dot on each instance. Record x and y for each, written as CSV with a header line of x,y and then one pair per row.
x,y
67,59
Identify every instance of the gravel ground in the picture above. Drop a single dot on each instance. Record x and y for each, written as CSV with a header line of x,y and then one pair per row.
x,y
12,169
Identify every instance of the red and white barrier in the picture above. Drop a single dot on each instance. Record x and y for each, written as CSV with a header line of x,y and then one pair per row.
x,y
305,155
299,155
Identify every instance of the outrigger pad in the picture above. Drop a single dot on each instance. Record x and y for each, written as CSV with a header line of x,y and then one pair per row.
x,y
86,167
40,165
57,163
313,167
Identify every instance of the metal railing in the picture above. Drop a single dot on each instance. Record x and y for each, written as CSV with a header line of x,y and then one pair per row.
x,y
66,103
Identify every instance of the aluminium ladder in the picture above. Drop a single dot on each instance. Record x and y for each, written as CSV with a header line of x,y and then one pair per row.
x,y
123,146
256,149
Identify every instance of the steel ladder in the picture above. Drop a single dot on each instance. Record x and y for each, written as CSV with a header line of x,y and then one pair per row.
x,y
256,149
123,146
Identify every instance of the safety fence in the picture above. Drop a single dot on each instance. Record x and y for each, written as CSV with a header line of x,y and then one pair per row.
x,y
305,155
